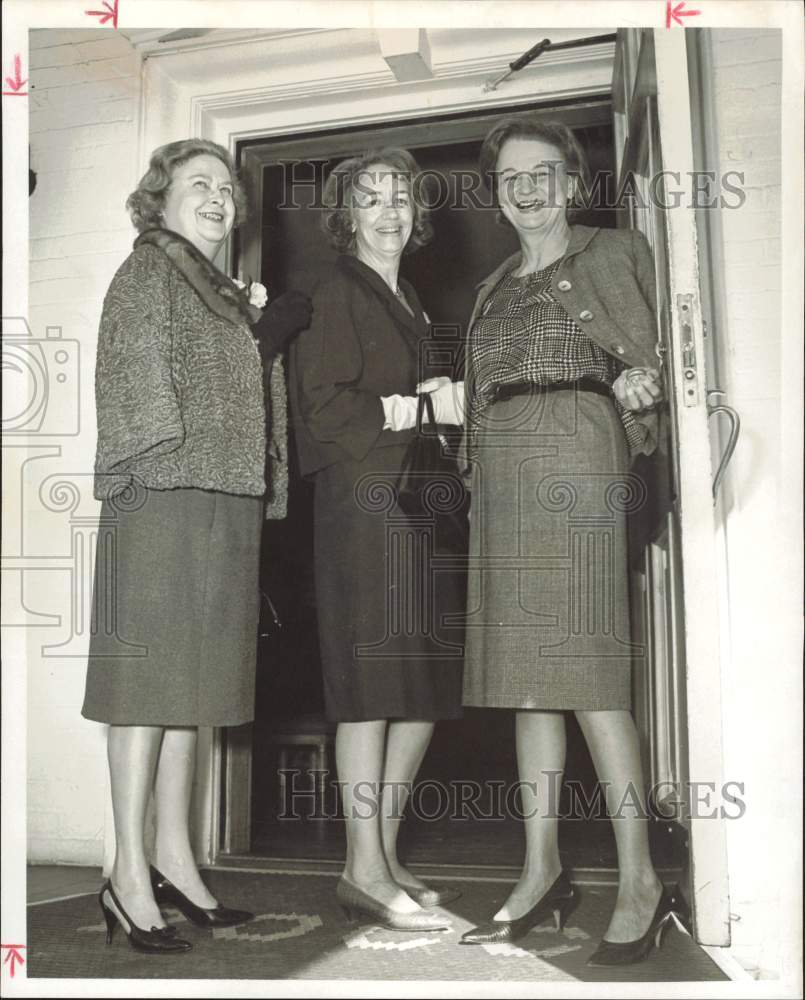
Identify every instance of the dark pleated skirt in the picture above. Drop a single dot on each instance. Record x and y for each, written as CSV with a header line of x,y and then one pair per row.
x,y
176,606
548,601
383,599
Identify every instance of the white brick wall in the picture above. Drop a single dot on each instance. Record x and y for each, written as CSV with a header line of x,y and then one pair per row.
x,y
757,742
85,91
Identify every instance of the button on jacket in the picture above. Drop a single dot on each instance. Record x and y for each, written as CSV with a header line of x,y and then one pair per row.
x,y
606,284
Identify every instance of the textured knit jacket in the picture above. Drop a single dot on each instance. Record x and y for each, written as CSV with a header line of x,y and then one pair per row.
x,y
606,284
178,388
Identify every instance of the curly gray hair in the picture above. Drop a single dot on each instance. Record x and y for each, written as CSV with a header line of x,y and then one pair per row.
x,y
339,189
146,203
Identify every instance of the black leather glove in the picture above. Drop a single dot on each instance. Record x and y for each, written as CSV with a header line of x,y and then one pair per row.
x,y
282,319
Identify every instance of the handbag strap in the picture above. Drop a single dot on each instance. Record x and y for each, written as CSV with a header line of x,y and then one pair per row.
x,y
425,402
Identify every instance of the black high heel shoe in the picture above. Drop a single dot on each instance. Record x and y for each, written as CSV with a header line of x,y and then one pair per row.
x,y
671,907
166,893
157,941
559,900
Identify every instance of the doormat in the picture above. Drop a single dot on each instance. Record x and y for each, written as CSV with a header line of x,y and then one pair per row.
x,y
300,933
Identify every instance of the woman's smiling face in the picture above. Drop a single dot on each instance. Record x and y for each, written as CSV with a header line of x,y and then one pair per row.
x,y
382,213
199,204
532,184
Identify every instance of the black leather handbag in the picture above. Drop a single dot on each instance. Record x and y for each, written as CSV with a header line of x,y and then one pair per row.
x,y
430,487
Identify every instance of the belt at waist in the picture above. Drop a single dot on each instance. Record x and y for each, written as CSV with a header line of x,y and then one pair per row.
x,y
532,388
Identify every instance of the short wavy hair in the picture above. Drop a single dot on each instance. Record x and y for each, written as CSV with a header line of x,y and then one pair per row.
x,y
337,221
146,204
555,133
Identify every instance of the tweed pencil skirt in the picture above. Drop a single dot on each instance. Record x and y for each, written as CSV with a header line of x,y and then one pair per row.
x,y
383,602
548,603
175,610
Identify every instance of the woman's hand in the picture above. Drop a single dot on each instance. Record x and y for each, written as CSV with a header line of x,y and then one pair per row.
x,y
283,318
638,389
448,399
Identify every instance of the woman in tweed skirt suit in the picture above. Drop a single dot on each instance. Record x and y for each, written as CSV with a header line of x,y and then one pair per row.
x,y
559,390
180,472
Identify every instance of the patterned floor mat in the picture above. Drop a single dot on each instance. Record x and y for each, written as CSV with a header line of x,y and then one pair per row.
x,y
301,933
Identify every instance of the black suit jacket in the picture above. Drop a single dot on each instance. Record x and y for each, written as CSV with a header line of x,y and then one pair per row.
x,y
361,344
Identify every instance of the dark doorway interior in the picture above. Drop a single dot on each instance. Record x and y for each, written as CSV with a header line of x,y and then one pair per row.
x,y
479,749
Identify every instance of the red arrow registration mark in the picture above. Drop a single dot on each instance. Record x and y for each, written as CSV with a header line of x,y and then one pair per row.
x,y
677,12
17,83
13,955
109,14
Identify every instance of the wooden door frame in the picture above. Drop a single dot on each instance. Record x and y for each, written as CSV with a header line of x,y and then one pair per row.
x,y
660,75
442,130
708,848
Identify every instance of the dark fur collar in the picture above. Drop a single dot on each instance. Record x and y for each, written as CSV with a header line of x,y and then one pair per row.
x,y
218,292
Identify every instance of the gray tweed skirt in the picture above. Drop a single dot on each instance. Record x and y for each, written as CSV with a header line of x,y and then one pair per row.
x,y
175,610
548,602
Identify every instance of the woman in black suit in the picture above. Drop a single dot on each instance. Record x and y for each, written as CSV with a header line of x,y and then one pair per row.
x,y
387,677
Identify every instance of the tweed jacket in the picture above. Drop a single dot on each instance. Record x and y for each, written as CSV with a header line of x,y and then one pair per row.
x,y
361,344
606,284
178,388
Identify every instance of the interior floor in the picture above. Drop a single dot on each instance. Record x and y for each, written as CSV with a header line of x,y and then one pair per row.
x,y
299,932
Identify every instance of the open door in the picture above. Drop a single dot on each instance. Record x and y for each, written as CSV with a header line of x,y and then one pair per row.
x,y
284,248
675,589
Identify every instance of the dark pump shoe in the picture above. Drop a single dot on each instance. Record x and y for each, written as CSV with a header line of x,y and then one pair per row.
x,y
429,897
558,900
357,903
166,893
670,907
157,941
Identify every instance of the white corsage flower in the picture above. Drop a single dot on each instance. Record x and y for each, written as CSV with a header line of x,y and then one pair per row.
x,y
258,296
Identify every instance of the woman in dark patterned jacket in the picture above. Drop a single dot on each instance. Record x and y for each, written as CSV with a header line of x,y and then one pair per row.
x,y
559,389
180,473
388,675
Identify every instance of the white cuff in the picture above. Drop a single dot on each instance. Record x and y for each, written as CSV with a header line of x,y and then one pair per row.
x,y
448,403
399,412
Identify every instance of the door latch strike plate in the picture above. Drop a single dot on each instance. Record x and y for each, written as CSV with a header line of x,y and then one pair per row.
x,y
690,374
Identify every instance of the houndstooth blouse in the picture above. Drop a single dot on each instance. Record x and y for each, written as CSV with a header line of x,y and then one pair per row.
x,y
524,335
